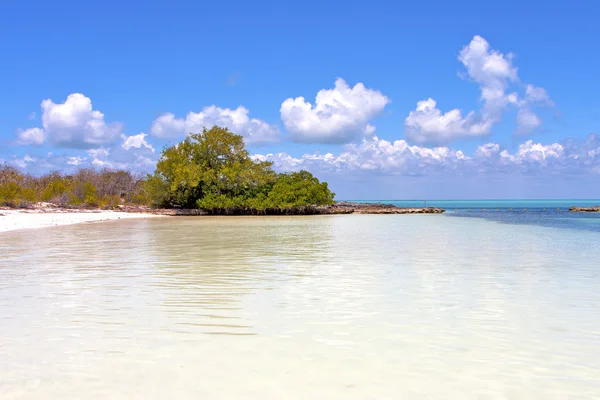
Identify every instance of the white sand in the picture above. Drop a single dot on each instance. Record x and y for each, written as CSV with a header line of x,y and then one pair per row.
x,y
11,220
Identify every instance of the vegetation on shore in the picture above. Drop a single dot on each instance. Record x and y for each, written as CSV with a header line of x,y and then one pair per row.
x,y
85,188
211,171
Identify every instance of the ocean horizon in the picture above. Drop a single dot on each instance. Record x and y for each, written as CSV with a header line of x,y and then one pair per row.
x,y
491,203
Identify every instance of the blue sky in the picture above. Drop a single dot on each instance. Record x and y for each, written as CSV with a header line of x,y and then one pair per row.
x,y
381,99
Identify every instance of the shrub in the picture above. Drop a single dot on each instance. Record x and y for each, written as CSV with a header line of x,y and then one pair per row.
x,y
55,190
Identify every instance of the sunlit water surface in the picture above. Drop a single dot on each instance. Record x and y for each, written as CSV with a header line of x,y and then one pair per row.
x,y
330,307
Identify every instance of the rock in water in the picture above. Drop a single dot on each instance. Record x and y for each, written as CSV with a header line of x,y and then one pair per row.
x,y
585,209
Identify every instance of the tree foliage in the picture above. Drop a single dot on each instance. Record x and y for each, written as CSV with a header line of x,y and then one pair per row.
x,y
212,170
298,189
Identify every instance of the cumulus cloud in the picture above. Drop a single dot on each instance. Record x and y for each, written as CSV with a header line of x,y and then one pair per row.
x,y
487,150
527,121
254,131
37,164
136,141
375,155
539,153
368,158
75,160
339,115
32,136
427,124
493,71
372,155
25,161
72,124
134,153
495,74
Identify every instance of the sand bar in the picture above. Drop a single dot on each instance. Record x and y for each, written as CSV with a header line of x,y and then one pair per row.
x,y
11,220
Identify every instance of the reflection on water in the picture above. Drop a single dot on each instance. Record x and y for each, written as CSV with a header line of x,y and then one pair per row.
x,y
331,307
205,276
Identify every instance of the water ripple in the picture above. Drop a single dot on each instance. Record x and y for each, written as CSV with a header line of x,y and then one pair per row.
x,y
316,307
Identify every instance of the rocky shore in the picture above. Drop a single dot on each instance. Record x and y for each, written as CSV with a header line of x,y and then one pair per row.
x,y
585,209
337,208
378,208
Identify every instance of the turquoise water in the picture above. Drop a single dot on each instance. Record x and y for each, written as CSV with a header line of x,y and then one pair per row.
x,y
548,213
488,204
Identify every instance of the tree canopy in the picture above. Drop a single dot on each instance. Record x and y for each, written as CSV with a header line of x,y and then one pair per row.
x,y
212,170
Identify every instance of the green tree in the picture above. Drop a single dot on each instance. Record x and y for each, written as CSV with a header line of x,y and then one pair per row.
x,y
207,166
57,188
299,189
212,170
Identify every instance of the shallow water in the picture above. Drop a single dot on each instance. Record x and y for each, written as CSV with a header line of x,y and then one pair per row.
x,y
548,213
327,307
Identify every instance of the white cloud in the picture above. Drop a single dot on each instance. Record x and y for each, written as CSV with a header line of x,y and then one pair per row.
x,y
138,159
24,161
136,141
374,155
75,160
371,154
537,95
495,74
487,150
339,115
100,158
167,126
134,154
427,124
493,71
527,121
254,131
369,157
31,136
72,124
537,152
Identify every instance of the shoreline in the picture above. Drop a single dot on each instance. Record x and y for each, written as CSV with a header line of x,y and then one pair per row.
x,y
44,215
24,219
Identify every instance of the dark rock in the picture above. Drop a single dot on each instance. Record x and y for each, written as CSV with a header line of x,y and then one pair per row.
x,y
585,209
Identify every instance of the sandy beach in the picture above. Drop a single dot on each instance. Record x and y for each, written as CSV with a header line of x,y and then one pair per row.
x,y
11,220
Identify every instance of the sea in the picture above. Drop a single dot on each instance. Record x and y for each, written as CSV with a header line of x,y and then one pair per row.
x,y
548,213
490,300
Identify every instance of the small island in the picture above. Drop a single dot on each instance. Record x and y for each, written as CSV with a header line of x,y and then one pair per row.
x,y
209,173
335,208
585,209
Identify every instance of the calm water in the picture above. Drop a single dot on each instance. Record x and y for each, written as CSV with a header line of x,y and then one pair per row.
x,y
330,307
549,213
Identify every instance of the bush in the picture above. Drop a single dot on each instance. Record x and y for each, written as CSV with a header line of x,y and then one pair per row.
x,y
9,193
212,170
55,191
